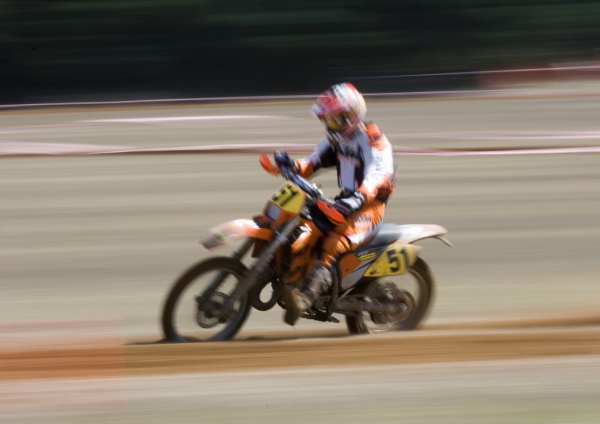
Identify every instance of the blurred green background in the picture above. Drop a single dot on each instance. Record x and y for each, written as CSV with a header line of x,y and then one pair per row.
x,y
106,50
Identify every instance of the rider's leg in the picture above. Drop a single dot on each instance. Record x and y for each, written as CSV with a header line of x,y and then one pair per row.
x,y
358,229
317,281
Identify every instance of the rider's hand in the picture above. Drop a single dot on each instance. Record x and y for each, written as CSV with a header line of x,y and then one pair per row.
x,y
283,159
348,205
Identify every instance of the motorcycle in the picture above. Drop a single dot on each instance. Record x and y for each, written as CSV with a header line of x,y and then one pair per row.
x,y
212,299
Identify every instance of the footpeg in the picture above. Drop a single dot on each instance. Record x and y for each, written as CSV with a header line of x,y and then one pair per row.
x,y
320,316
331,318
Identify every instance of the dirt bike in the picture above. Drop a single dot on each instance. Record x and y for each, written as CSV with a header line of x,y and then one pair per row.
x,y
212,300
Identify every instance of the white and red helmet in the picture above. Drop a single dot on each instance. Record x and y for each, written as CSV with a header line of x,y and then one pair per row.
x,y
341,108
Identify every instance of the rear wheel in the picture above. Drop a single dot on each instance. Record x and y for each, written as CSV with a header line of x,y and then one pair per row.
x,y
186,318
414,289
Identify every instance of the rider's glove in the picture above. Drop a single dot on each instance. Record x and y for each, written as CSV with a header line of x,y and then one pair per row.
x,y
283,159
348,205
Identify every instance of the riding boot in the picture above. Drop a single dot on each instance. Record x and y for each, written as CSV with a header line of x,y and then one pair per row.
x,y
297,301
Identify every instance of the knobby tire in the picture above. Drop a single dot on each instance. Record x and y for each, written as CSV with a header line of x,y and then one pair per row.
x,y
229,265
426,281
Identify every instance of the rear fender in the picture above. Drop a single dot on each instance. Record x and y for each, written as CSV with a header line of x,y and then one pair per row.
x,y
394,259
234,230
414,232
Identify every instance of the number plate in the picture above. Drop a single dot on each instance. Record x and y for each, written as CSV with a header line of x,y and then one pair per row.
x,y
289,198
395,260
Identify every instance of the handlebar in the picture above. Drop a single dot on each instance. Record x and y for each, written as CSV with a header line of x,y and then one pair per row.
x,y
289,174
324,204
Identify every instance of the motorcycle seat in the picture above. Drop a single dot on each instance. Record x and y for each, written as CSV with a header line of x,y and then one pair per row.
x,y
388,233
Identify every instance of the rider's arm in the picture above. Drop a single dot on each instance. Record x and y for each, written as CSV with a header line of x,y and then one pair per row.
x,y
379,165
322,157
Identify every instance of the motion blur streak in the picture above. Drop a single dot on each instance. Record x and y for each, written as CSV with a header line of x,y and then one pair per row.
x,y
46,149
90,244
519,92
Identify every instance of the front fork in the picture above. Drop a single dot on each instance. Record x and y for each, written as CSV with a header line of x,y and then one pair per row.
x,y
220,277
263,262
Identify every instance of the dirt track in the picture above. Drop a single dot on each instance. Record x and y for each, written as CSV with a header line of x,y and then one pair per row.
x,y
255,351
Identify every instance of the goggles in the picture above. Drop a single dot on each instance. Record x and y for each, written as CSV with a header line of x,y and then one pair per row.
x,y
336,122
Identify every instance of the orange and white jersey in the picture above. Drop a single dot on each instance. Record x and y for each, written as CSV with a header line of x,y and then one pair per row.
x,y
364,162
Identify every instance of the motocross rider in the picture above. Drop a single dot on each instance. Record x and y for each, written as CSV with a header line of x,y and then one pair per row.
x,y
365,170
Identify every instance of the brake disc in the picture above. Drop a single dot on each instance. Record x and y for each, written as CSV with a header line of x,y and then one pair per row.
x,y
385,291
204,318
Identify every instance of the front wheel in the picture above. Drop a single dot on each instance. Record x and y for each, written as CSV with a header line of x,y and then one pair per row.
x,y
189,316
415,288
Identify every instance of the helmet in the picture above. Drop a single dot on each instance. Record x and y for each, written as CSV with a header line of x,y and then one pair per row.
x,y
341,108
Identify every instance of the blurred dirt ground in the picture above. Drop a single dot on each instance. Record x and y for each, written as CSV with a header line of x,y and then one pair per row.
x,y
509,340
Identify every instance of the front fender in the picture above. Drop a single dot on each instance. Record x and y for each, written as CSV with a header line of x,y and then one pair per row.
x,y
414,232
234,230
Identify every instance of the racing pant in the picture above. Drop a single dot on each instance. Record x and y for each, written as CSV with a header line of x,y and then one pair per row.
x,y
359,228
